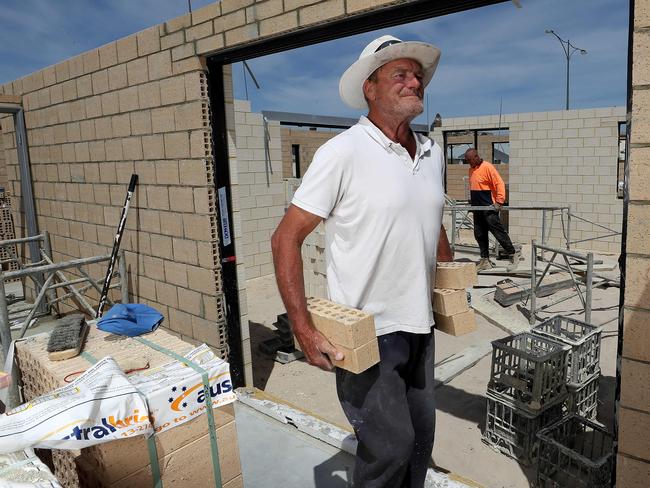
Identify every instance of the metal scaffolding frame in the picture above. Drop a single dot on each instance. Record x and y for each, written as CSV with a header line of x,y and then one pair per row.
x,y
460,219
54,280
585,264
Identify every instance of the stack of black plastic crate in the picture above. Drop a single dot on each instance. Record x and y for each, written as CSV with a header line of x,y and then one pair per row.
x,y
583,371
526,392
576,451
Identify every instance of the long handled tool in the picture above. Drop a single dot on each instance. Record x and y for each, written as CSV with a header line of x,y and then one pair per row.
x,y
116,246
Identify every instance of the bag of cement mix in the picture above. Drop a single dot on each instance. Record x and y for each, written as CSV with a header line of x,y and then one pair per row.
x,y
99,406
175,392
104,404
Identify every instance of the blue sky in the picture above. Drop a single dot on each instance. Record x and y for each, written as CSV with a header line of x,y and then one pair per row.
x,y
488,54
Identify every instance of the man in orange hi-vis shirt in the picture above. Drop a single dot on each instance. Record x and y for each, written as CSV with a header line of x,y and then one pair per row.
x,y
487,189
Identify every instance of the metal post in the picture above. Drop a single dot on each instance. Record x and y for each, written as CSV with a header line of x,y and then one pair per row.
x,y
543,232
5,337
453,230
568,58
26,184
568,229
28,196
47,249
533,281
590,276
124,282
5,330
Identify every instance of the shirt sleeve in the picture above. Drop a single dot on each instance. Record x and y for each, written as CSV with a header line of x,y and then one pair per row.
x,y
499,185
321,186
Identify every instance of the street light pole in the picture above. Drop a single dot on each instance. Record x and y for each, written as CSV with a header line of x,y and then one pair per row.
x,y
569,49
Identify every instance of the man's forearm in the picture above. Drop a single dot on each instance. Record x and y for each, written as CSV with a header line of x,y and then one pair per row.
x,y
287,259
286,245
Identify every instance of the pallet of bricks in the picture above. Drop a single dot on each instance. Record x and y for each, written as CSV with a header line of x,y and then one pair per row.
x,y
451,310
183,451
583,363
526,392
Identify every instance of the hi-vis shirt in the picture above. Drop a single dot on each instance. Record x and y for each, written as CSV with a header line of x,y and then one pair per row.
x,y
486,185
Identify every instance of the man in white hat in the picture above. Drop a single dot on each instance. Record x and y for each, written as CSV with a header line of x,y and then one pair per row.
x,y
378,187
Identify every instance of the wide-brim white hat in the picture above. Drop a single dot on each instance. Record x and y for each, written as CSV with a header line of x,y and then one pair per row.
x,y
379,52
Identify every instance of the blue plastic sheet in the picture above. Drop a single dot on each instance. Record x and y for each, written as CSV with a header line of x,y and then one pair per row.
x,y
130,319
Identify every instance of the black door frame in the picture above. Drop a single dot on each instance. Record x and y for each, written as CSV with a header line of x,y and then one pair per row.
x,y
357,24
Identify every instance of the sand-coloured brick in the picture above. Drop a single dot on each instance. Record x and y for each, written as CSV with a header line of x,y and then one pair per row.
x,y
449,302
182,466
351,331
358,359
456,325
342,325
455,275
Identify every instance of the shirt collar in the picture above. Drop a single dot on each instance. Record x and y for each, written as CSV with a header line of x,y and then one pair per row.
x,y
423,142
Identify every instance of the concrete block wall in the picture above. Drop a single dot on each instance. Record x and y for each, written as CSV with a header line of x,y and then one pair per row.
x,y
633,462
261,193
139,104
560,158
130,106
309,142
313,263
313,252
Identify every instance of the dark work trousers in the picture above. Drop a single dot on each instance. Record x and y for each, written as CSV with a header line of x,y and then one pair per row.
x,y
488,220
392,410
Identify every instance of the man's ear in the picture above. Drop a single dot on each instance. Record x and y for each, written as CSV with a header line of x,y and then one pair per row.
x,y
369,90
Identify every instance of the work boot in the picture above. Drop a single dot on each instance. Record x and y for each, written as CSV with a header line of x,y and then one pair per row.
x,y
484,264
514,261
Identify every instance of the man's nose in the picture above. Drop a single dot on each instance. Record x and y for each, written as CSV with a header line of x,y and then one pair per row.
x,y
414,82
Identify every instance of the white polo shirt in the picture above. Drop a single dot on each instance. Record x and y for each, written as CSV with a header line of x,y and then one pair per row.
x,y
383,212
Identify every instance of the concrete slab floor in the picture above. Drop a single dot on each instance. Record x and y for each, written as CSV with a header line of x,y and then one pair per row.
x,y
277,454
460,403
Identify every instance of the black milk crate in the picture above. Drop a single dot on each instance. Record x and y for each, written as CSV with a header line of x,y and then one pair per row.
x,y
583,399
574,452
584,340
528,370
513,431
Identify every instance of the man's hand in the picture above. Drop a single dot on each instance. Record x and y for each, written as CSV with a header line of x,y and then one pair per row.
x,y
497,206
317,349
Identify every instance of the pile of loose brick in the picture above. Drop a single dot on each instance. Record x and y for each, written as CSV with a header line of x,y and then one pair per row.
x,y
451,310
125,462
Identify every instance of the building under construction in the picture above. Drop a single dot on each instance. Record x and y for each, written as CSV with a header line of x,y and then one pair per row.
x,y
214,181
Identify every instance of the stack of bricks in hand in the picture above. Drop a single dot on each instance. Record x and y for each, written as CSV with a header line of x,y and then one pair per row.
x,y
351,331
451,311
